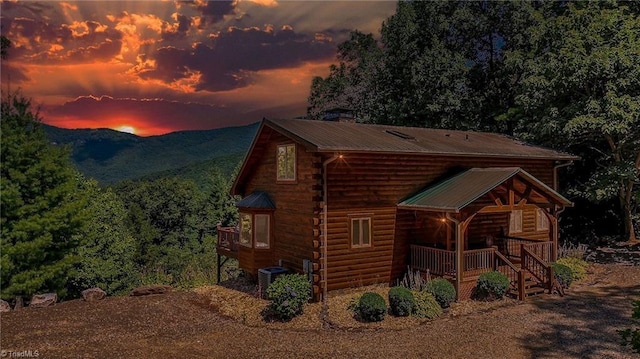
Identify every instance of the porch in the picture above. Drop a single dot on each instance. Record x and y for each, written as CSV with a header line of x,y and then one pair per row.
x,y
525,262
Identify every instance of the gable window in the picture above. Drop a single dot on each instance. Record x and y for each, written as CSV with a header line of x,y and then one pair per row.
x,y
255,230
515,221
542,222
286,162
360,232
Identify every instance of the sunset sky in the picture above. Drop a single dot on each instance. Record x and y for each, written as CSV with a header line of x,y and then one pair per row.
x,y
153,67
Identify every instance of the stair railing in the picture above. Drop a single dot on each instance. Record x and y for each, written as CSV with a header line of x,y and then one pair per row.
x,y
541,270
515,275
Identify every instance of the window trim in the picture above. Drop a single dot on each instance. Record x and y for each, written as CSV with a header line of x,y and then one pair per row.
x,y
253,240
359,218
268,232
295,163
540,214
512,221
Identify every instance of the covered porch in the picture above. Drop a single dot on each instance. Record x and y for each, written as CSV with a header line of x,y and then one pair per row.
x,y
485,219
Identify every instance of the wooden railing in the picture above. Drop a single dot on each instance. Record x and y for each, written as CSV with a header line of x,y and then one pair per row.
x,y
228,238
541,249
436,261
479,259
541,270
515,275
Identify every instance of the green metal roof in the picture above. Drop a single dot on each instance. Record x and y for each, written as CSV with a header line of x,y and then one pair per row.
x,y
459,191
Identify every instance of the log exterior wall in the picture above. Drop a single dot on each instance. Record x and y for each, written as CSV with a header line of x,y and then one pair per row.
x,y
375,183
292,229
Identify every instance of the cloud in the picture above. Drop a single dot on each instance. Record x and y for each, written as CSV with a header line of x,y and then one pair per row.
x,y
233,57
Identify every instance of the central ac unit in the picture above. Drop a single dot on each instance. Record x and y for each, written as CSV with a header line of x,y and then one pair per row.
x,y
266,276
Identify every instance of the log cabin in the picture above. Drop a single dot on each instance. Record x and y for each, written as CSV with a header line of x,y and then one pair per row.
x,y
352,204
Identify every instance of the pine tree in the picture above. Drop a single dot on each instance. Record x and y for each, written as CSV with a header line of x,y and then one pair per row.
x,y
41,209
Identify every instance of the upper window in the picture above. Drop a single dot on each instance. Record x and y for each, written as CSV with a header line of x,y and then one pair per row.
x,y
245,229
515,221
287,162
361,232
542,222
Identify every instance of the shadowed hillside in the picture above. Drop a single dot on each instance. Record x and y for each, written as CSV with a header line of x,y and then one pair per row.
x,y
110,156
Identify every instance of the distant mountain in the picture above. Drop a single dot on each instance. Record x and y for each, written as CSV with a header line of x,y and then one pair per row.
x,y
110,156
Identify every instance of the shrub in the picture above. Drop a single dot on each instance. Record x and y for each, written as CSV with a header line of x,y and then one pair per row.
x,y
371,307
426,305
442,290
288,295
578,266
563,274
401,301
413,280
492,285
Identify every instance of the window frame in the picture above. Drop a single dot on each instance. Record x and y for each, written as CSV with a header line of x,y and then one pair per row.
x,y
541,218
359,219
256,243
252,241
512,221
286,179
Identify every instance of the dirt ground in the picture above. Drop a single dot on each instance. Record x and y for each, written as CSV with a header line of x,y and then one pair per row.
x,y
201,324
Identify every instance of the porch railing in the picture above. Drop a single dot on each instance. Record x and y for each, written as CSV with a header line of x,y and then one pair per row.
x,y
541,270
541,249
437,261
479,260
511,247
228,238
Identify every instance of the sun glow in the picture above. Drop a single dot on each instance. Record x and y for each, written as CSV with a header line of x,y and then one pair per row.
x,y
125,128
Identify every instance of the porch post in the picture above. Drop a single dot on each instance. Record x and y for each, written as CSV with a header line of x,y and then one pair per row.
x,y
459,257
554,247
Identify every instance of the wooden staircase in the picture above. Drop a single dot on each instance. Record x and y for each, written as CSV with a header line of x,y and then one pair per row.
x,y
531,287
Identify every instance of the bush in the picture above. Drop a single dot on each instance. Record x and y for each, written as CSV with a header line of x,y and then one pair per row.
x,y
426,305
401,301
492,285
578,266
442,290
288,295
371,307
563,274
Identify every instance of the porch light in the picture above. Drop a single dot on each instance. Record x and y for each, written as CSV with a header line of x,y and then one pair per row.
x,y
443,219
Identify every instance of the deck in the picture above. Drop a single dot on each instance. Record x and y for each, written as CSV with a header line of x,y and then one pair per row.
x,y
228,239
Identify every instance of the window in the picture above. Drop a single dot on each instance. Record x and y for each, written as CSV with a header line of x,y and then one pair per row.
x,y
515,221
255,230
542,222
245,229
360,232
262,230
287,162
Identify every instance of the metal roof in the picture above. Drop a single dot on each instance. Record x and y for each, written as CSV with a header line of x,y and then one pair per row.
x,y
326,136
256,199
457,192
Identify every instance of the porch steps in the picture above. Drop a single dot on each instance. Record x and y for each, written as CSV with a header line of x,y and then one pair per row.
x,y
531,288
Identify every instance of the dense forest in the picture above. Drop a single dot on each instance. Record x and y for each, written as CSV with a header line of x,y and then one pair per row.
x,y
560,74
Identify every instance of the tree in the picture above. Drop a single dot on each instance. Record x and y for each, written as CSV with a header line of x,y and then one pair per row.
x,y
5,44
437,64
106,248
581,92
41,209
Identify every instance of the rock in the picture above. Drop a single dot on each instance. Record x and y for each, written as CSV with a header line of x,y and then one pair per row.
x,y
4,306
93,294
43,300
150,289
19,303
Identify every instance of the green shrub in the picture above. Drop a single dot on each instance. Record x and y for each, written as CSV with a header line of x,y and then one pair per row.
x,y
371,307
578,266
563,274
442,290
288,295
426,305
401,301
492,285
